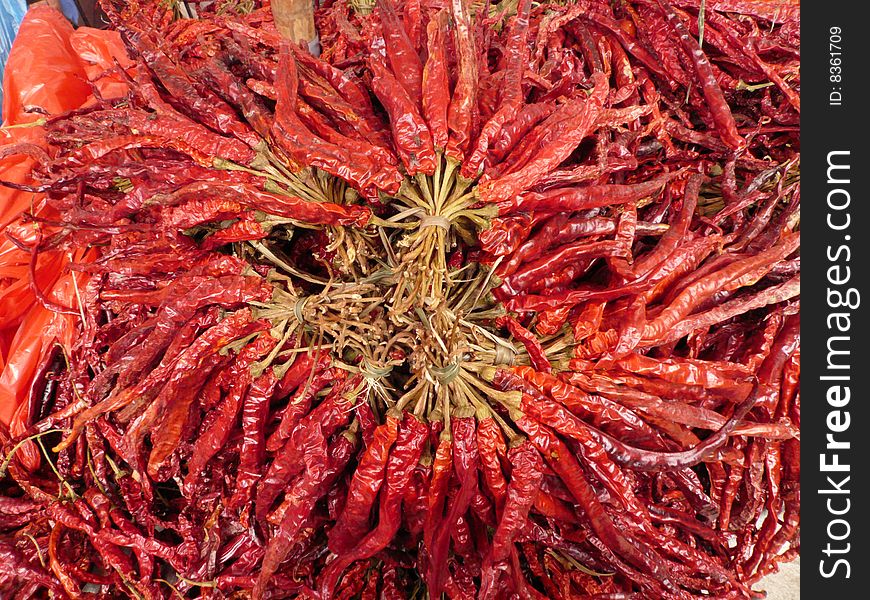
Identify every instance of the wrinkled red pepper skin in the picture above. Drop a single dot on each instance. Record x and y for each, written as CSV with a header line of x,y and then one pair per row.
x,y
411,134
526,476
722,116
403,459
462,113
436,100
367,481
611,209
404,60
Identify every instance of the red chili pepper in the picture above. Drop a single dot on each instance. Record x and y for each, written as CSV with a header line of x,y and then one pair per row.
x,y
511,133
526,476
584,197
370,590
462,114
274,204
403,459
338,113
254,410
536,352
234,92
511,93
465,464
245,229
460,535
557,455
301,498
694,251
555,230
353,582
442,467
491,449
329,415
600,411
174,126
436,83
391,589
304,147
70,586
730,277
404,61
576,118
505,234
722,116
349,87
531,276
204,104
167,433
237,325
297,378
20,571
367,480
415,501
217,426
367,421
411,135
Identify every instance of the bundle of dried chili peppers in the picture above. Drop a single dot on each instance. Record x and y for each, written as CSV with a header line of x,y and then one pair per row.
x,y
490,300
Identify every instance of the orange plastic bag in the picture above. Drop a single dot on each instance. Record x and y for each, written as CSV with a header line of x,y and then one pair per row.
x,y
98,51
52,67
40,329
43,70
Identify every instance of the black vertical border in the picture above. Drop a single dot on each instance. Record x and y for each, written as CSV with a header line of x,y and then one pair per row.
x,y
826,128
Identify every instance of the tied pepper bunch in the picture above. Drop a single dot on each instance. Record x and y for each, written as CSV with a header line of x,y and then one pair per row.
x,y
489,300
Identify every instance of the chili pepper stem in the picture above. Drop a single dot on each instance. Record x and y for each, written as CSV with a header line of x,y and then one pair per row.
x,y
8,458
510,400
62,482
447,182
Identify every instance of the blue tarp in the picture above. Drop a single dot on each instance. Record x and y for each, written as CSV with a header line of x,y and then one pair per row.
x,y
69,8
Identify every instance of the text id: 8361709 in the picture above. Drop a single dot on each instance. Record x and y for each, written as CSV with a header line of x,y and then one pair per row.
x,y
835,66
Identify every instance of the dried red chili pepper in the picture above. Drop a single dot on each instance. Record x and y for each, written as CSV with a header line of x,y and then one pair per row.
x,y
301,145
404,61
462,113
510,96
196,100
329,415
411,135
646,254
583,198
491,449
531,343
438,486
301,498
436,83
367,481
722,116
403,459
522,492
465,463
307,378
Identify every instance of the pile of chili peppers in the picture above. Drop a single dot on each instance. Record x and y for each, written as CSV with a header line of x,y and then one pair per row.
x,y
490,300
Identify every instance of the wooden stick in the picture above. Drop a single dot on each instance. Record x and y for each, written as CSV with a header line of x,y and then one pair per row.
x,y
294,19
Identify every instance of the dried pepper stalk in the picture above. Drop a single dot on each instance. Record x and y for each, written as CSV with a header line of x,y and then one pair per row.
x,y
490,300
